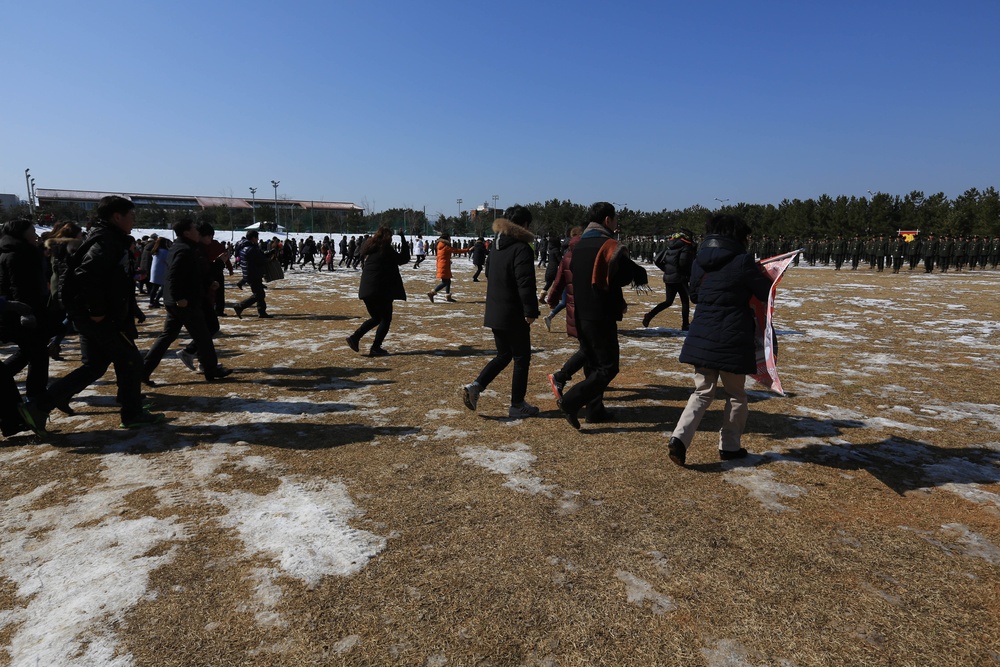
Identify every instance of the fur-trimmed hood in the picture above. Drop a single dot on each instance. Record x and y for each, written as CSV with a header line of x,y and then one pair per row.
x,y
505,228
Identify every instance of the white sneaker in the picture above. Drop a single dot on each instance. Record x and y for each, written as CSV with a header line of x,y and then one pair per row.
x,y
188,359
470,395
521,410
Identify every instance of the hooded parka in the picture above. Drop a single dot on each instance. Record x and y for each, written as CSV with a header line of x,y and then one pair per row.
x,y
723,279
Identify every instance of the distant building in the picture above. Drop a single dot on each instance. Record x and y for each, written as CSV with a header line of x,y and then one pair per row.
x,y
87,200
9,201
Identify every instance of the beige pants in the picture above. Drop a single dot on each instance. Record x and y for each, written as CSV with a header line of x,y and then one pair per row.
x,y
734,417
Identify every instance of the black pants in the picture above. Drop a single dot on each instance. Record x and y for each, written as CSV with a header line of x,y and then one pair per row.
x,y
673,290
512,345
191,318
571,367
10,419
379,315
102,344
257,287
33,352
599,342
479,269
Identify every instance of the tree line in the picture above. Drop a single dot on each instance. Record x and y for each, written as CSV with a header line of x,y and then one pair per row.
x,y
973,213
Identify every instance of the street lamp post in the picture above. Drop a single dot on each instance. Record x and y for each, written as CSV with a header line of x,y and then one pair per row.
x,y
721,201
27,183
459,209
495,199
275,184
253,205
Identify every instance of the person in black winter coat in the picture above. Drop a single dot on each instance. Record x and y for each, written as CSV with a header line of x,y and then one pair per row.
x,y
478,257
720,342
184,295
381,284
252,263
676,266
601,266
511,307
22,279
11,421
99,294
557,248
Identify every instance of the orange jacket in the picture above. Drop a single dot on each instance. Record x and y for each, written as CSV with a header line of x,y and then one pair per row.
x,y
444,253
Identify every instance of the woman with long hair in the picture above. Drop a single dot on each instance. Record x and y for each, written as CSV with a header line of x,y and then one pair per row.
x,y
381,284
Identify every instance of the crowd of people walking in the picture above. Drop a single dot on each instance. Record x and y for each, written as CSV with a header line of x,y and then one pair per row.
x,y
90,284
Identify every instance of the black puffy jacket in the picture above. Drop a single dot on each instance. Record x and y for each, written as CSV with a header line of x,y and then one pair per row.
x,y
678,258
380,279
723,279
511,291
98,281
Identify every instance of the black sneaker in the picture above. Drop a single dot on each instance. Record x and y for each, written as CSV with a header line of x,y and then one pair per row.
x,y
676,451
144,418
352,343
570,416
34,417
378,352
731,456
239,310
601,416
220,372
264,316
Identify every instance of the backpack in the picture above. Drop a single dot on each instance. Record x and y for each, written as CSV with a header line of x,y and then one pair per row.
x,y
69,289
660,259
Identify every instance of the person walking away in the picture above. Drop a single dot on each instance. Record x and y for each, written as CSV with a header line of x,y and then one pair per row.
x,y
420,250
22,280
64,242
381,284
146,263
549,292
342,244
511,308
12,420
676,264
601,267
252,261
308,252
217,255
99,295
184,298
444,253
556,250
158,271
720,343
478,257
563,284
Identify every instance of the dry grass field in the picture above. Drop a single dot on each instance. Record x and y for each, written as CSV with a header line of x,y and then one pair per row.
x,y
327,508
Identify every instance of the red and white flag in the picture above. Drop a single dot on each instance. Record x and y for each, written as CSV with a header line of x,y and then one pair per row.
x,y
767,370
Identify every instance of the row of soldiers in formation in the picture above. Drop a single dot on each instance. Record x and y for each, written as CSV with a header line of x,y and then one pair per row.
x,y
943,252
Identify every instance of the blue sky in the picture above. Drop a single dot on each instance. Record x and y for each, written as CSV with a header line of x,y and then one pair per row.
x,y
657,105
